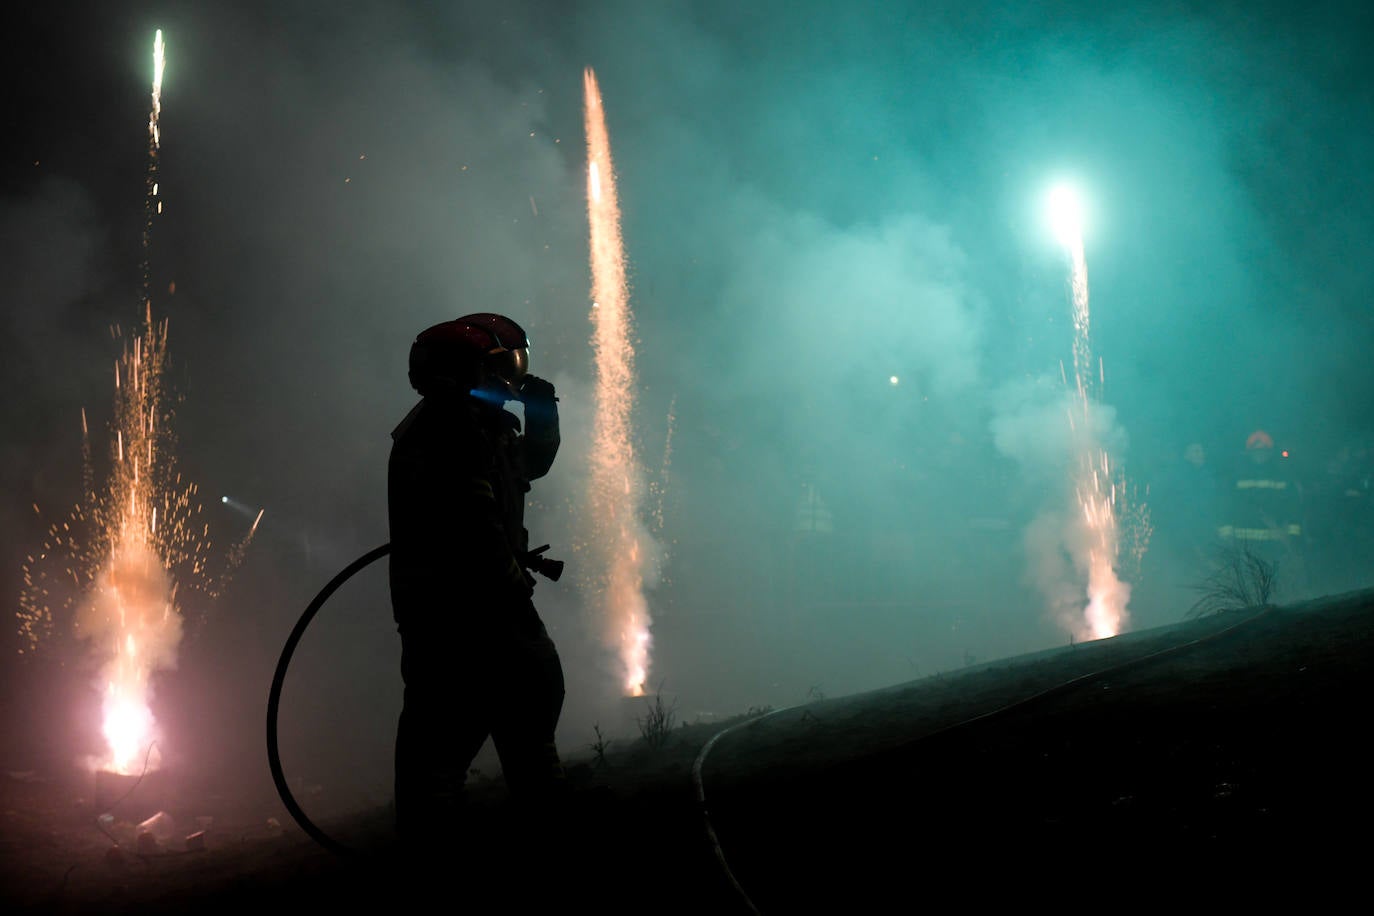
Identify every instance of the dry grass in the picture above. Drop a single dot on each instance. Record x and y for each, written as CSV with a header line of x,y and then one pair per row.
x,y
1241,580
656,726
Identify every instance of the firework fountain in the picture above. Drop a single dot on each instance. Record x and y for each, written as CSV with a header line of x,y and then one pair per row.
x,y
621,545
1096,538
135,548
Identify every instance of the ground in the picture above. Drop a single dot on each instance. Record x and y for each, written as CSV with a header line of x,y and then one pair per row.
x,y
1223,757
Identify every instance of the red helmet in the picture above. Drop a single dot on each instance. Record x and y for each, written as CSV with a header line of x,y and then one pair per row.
x,y
1259,439
468,353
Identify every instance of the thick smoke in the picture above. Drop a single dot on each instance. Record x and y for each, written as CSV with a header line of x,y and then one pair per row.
x,y
820,306
808,213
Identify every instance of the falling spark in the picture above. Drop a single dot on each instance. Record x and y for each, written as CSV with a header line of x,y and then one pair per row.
x,y
660,487
615,485
130,543
1098,548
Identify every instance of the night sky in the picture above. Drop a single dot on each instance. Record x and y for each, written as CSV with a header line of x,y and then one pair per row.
x,y
817,198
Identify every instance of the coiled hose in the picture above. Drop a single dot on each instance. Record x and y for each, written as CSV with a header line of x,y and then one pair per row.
x,y
274,699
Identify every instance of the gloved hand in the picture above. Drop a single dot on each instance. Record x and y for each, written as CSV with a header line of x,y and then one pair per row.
x,y
541,404
537,392
541,426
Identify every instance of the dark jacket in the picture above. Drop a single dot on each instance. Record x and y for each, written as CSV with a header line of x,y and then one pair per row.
x,y
456,486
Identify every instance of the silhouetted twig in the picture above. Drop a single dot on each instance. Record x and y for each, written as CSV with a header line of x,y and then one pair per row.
x,y
657,725
1242,580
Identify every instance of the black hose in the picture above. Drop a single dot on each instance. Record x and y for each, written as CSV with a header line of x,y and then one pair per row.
x,y
274,699
1022,703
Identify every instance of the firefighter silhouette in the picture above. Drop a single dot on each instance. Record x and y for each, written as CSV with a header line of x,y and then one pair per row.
x,y
476,659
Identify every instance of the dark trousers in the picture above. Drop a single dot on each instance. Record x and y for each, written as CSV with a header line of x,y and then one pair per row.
x,y
460,690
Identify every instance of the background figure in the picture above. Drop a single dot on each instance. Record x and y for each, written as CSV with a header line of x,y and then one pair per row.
x,y
476,658
1263,512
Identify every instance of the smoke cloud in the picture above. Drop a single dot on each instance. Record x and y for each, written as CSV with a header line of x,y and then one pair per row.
x,y
817,201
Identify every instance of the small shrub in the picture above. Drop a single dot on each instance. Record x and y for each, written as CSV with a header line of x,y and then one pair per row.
x,y
599,747
1242,579
656,727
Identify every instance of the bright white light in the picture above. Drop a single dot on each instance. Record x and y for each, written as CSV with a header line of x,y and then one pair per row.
x,y
893,380
1065,209
224,499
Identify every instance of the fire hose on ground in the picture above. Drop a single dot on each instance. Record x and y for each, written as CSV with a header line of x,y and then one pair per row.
x,y
534,560
328,842
274,699
1013,706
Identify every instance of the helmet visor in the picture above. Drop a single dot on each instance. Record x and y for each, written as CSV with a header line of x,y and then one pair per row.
x,y
510,366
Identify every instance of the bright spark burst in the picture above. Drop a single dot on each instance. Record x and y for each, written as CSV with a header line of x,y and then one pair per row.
x,y
1066,215
616,486
159,66
1096,490
113,572
131,567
